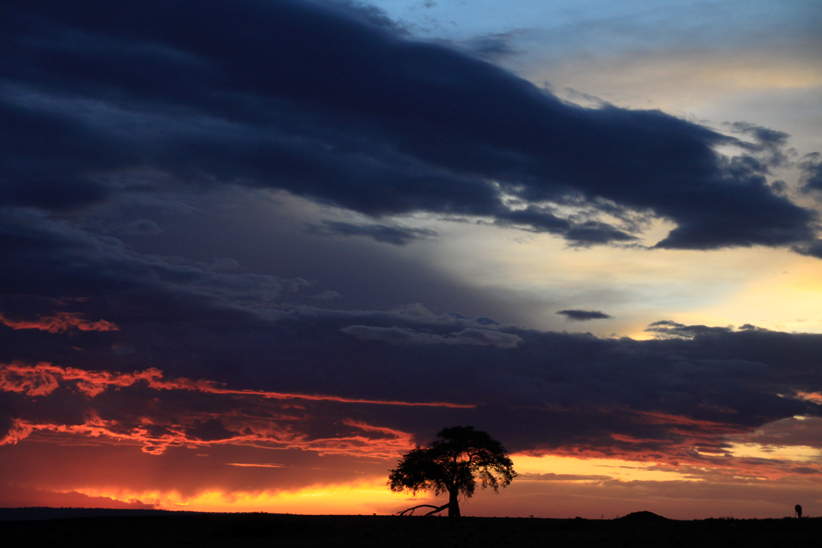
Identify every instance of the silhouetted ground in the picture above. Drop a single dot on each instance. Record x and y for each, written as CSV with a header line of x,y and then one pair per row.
x,y
277,530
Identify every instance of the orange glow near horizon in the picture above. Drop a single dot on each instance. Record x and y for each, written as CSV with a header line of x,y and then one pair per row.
x,y
547,486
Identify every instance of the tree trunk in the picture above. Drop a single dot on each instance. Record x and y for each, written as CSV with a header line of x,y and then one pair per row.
x,y
453,504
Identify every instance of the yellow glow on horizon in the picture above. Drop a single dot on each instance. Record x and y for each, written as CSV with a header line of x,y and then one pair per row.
x,y
615,469
788,299
364,497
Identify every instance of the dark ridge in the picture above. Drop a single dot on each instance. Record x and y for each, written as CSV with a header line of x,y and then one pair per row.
x,y
643,516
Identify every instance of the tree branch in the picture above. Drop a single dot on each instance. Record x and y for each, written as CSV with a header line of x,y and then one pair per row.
x,y
434,511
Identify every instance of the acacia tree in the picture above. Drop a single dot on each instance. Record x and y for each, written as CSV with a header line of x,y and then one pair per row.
x,y
454,463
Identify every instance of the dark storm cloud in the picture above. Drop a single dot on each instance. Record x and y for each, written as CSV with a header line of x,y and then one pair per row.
x,y
583,315
389,234
337,104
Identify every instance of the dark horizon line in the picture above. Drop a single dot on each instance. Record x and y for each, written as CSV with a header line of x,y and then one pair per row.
x,y
40,513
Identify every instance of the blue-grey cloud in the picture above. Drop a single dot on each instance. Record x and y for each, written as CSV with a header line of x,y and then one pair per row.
x,y
583,315
390,234
397,335
811,165
493,46
141,227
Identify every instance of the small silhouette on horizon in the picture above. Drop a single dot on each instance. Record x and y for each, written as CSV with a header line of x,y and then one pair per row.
x,y
798,510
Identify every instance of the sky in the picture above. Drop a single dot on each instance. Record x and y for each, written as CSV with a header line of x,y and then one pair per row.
x,y
254,251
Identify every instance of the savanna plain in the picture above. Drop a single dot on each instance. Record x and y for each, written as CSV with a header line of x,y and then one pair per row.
x,y
283,530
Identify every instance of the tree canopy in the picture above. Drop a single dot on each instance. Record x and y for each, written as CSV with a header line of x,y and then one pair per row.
x,y
455,463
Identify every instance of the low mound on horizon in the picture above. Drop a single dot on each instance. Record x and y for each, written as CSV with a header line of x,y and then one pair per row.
x,y
643,516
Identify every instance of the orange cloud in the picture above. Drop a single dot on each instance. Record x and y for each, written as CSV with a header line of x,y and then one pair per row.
x,y
813,397
61,322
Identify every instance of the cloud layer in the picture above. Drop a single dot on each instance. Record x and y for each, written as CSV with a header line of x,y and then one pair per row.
x,y
173,358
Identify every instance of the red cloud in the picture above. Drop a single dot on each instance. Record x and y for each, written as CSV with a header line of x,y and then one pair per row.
x,y
18,431
248,417
156,437
61,322
33,381
41,379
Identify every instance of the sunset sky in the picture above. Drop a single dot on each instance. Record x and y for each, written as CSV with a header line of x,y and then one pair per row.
x,y
252,251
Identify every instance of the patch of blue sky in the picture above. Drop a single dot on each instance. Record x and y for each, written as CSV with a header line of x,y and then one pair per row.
x,y
607,24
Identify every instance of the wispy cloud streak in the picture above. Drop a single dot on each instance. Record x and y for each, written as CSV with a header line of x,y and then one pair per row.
x,y
42,379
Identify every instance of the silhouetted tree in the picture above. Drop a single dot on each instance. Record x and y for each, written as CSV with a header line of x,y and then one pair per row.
x,y
798,509
454,463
